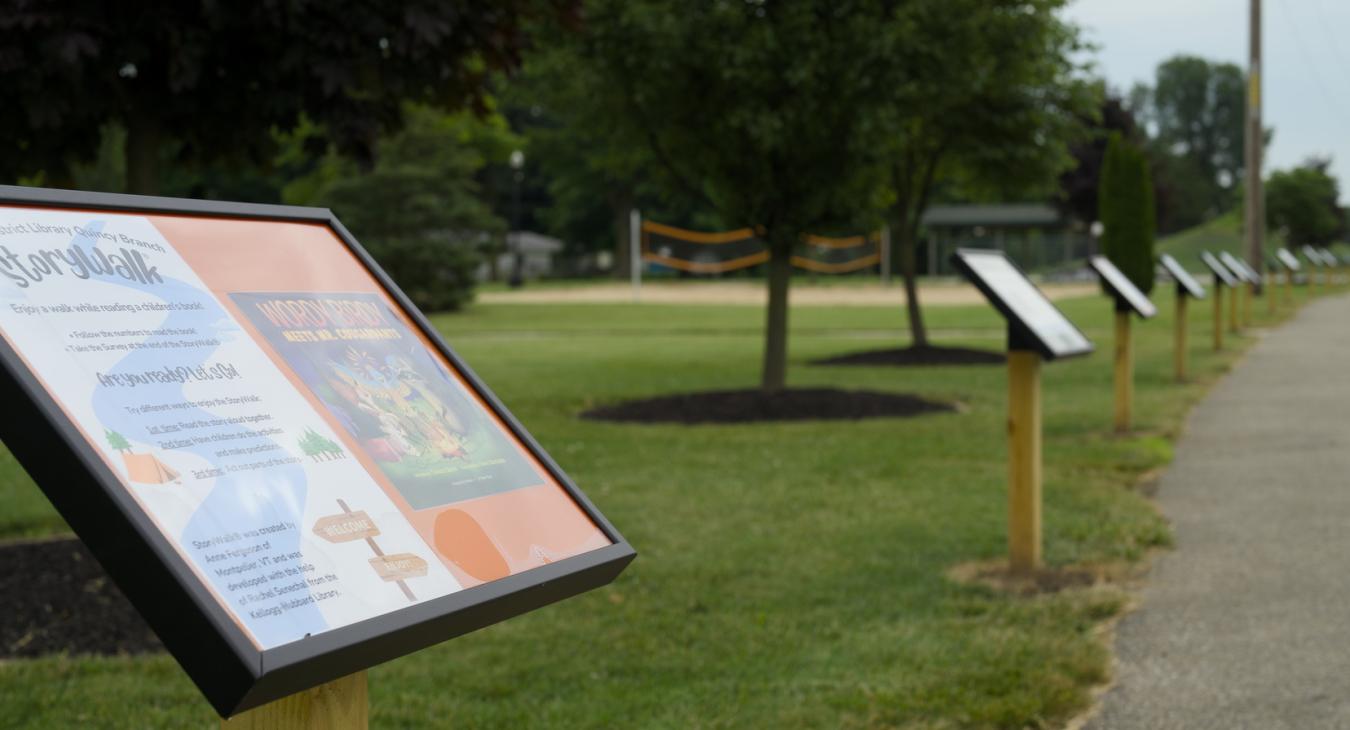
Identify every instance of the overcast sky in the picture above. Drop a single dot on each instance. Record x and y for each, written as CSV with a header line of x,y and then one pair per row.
x,y
1306,58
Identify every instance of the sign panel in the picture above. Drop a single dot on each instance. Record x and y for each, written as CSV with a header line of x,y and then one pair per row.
x,y
1033,321
1121,287
1240,268
240,394
1185,282
1314,256
1221,272
1329,257
1288,260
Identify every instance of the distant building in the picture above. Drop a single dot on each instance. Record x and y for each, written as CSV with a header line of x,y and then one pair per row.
x,y
538,251
1035,235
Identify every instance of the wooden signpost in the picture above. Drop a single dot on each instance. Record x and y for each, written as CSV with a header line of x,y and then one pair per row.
x,y
1248,275
1314,257
1333,265
1128,299
1187,288
1291,266
329,485
1223,279
1037,331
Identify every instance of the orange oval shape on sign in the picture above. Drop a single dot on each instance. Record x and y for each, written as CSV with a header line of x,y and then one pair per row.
x,y
462,540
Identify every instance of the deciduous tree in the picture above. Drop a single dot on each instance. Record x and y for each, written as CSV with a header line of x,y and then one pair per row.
x,y
219,77
981,92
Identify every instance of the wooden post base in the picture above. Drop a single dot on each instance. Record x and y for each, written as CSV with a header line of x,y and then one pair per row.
x,y
339,705
1024,461
1124,372
1248,294
1218,316
1233,310
1179,345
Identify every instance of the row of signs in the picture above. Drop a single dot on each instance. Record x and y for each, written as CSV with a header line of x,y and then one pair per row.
x,y
1035,323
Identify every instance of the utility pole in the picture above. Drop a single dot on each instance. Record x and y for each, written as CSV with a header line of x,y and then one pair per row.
x,y
1255,203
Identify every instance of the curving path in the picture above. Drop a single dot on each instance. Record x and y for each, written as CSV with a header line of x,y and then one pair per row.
x,y
1246,624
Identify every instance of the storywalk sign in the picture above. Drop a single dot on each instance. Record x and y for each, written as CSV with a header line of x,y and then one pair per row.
x,y
1128,298
267,446
1187,288
1037,331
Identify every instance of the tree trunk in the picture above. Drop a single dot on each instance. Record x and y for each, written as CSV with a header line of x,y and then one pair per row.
x,y
142,154
909,270
776,326
621,207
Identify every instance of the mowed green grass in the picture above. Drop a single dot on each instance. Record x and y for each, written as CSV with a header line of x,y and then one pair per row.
x,y
789,575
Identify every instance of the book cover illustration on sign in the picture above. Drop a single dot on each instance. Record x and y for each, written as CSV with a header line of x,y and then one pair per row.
x,y
379,382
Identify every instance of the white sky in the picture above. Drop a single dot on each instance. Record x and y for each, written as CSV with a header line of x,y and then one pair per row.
x,y
1306,54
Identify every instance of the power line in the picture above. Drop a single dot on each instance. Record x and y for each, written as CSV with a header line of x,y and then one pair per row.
x,y
1332,99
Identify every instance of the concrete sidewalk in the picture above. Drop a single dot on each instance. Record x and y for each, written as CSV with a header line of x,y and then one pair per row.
x,y
1246,624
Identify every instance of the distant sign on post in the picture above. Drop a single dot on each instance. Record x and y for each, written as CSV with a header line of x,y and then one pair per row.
x,y
1314,256
1329,257
1122,288
1240,268
1033,321
1185,282
1221,272
275,456
1288,260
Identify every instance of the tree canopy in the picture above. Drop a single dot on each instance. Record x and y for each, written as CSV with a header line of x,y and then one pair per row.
x,y
982,95
1305,202
766,111
1127,215
219,77
1195,110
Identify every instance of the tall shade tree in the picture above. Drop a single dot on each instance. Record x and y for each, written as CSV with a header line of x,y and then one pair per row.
x,y
1305,202
219,77
1196,110
983,93
595,162
767,110
1125,200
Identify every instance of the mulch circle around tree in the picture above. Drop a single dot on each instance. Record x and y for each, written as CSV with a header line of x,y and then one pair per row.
x,y
918,357
754,405
59,600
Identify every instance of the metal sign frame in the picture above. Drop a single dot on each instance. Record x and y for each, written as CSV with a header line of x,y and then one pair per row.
x,y
217,655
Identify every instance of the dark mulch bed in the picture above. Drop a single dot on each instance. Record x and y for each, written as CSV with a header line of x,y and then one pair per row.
x,y
58,599
918,356
744,406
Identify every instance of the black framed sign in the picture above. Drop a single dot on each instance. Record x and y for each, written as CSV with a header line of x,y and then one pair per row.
x,y
1314,256
1186,283
1126,294
1240,268
1034,323
1288,260
1221,272
271,451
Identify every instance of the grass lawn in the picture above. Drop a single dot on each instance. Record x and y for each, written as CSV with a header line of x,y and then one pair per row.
x,y
789,575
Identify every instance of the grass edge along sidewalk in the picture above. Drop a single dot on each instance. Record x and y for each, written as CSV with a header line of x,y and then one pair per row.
x,y
793,575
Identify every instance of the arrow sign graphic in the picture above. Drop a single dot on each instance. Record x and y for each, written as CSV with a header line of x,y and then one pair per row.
x,y
346,527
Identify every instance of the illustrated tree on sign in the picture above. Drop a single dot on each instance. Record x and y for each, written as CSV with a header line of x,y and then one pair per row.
x,y
117,441
319,448
1125,200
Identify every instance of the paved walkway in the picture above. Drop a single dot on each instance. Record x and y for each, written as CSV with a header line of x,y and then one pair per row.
x,y
1247,623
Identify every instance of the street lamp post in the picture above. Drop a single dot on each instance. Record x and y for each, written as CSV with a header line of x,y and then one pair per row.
x,y
518,174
